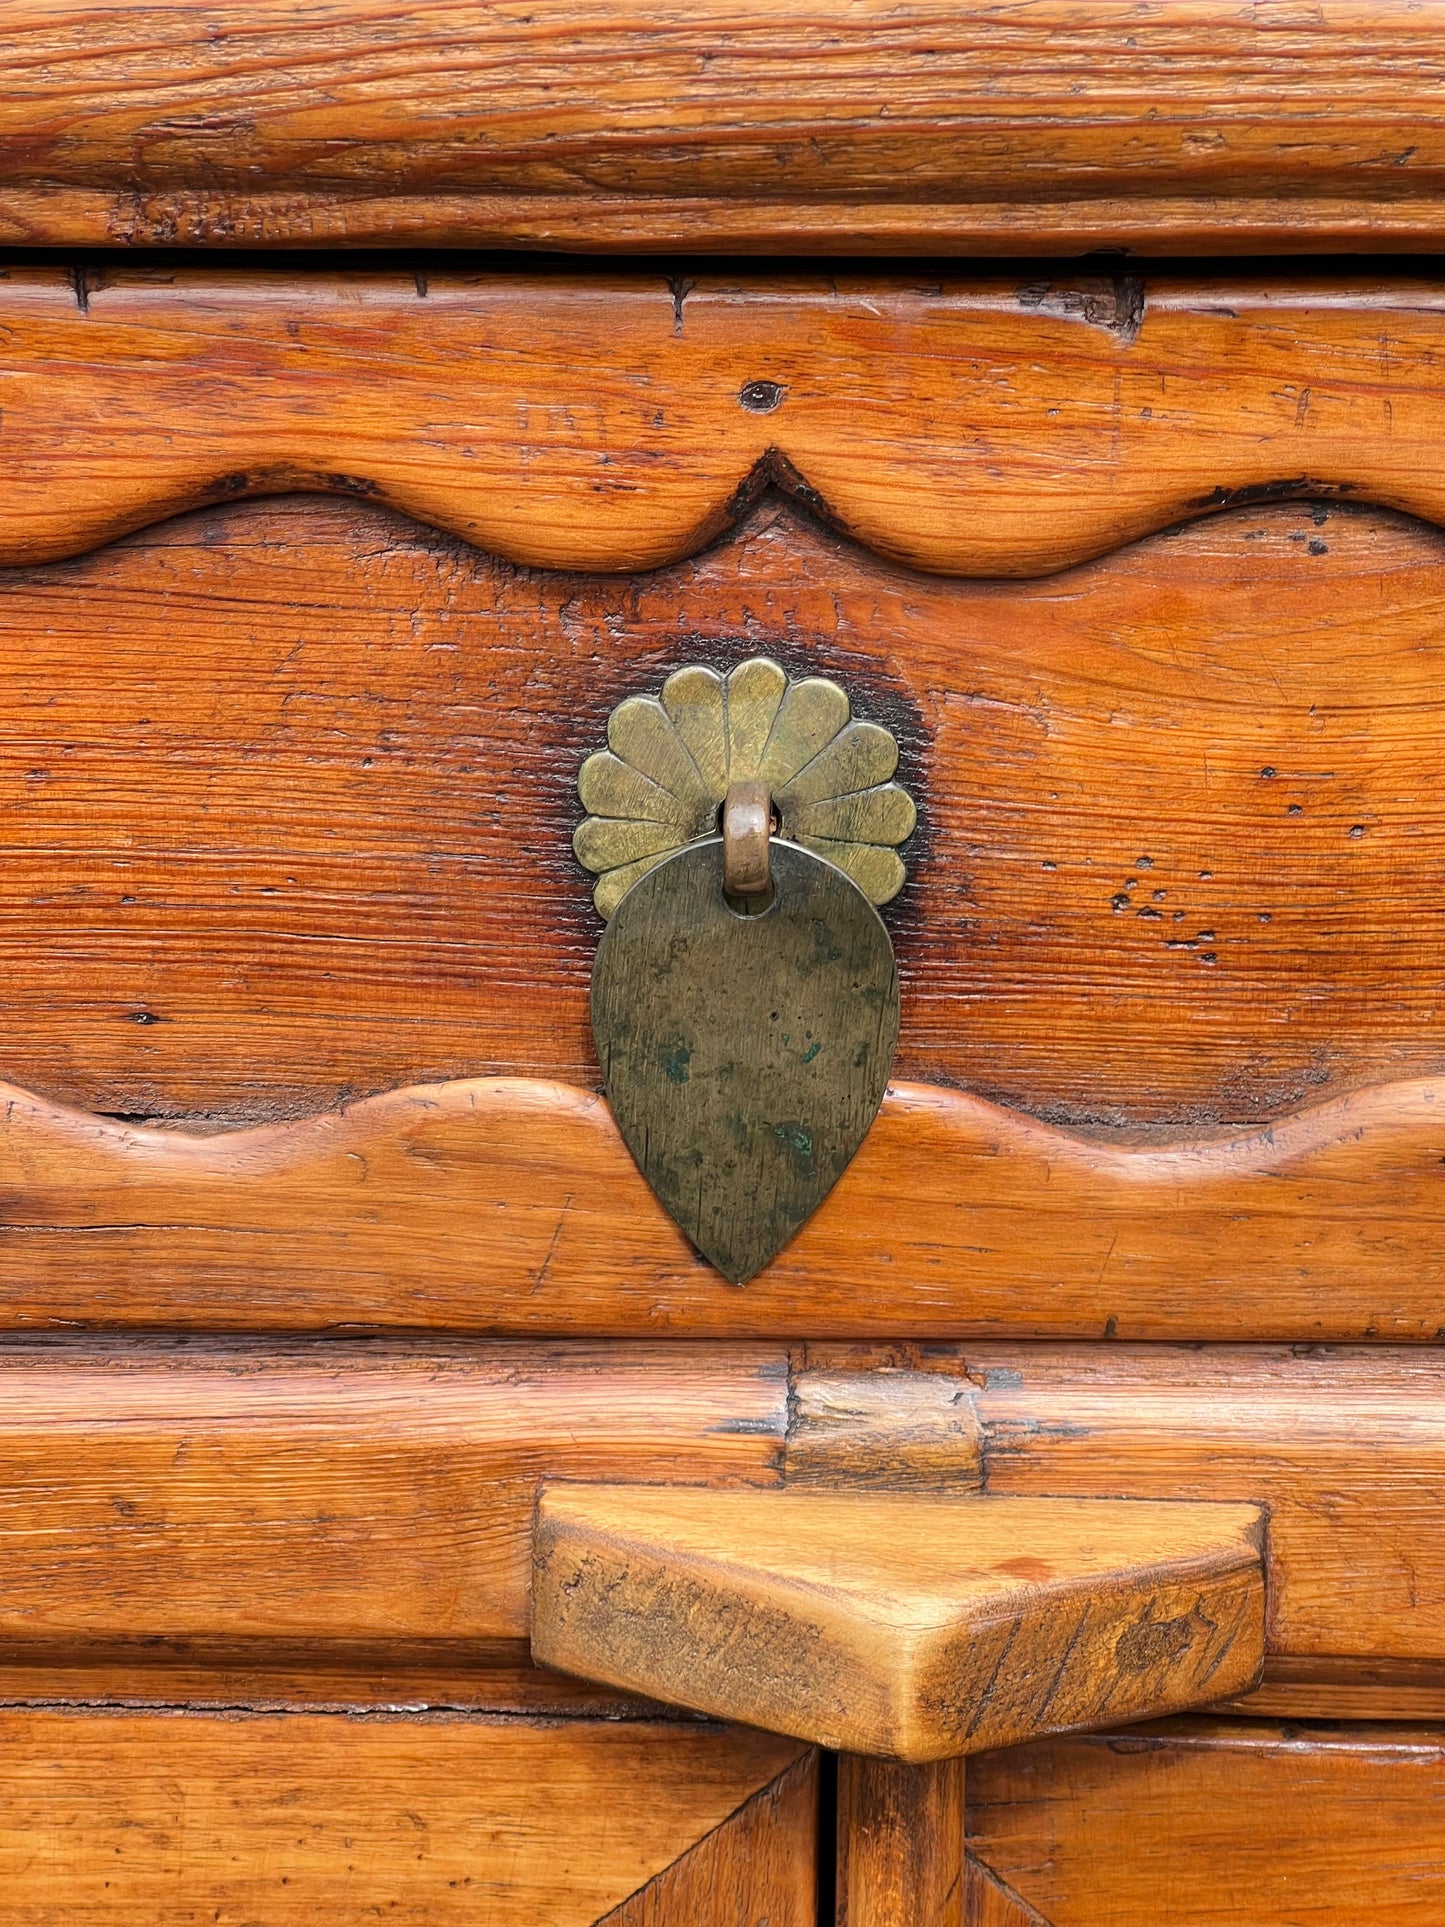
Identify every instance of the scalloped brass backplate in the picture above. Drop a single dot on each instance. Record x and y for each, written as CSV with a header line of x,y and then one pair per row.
x,y
671,758
745,1043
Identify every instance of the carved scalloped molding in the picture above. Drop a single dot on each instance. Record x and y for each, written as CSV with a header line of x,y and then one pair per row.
x,y
511,1206
613,423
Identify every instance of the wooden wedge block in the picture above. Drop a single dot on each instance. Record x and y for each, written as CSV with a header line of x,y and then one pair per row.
x,y
907,1627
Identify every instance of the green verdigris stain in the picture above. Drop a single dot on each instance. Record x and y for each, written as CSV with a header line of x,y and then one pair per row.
x,y
825,945
675,1058
743,1128
799,1141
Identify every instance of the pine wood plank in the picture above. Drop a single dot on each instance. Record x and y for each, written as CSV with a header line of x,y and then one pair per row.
x,y
290,790
759,1865
1327,1699
1345,1449
528,1216
908,1627
896,1430
618,421
318,1674
162,1819
988,1902
1306,1687
1189,125
146,1570
900,1843
1210,1823
373,1500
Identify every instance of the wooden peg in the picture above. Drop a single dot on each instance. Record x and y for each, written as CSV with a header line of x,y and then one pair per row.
x,y
899,1625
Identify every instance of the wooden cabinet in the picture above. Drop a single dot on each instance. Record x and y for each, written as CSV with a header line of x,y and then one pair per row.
x,y
398,1517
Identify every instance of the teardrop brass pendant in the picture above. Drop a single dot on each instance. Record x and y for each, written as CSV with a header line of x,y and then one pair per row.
x,y
745,1051
745,1038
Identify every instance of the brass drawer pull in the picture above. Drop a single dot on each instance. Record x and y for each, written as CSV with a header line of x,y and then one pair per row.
x,y
744,994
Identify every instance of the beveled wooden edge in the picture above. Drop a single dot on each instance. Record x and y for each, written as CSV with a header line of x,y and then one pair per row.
x,y
511,1206
1135,226
954,125
763,1855
1019,434
989,1901
904,1626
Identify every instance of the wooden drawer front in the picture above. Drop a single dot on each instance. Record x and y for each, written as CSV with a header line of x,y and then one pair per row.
x,y
1210,1824
157,1819
288,787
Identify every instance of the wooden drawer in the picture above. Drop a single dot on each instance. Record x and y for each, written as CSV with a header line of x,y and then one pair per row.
x,y
289,786
141,1817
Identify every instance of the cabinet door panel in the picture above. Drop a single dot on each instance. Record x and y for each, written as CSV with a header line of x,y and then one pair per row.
x,y
758,1867
1207,1823
152,1819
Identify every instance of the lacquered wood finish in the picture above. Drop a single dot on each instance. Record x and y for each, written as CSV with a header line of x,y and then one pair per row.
x,y
1213,1823
760,1864
895,1429
991,1902
359,1509
147,1819
906,1627
394,1484
294,958
1183,125
963,1218
307,836
1357,1562
317,1674
900,1844
619,421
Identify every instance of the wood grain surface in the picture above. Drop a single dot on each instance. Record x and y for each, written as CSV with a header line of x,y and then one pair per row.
x,y
617,421
759,1866
991,1902
347,1522
1184,124
307,835
1309,1688
317,1674
896,1625
895,1429
512,1207
373,1501
900,1844
1213,1823
1345,1449
154,1820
